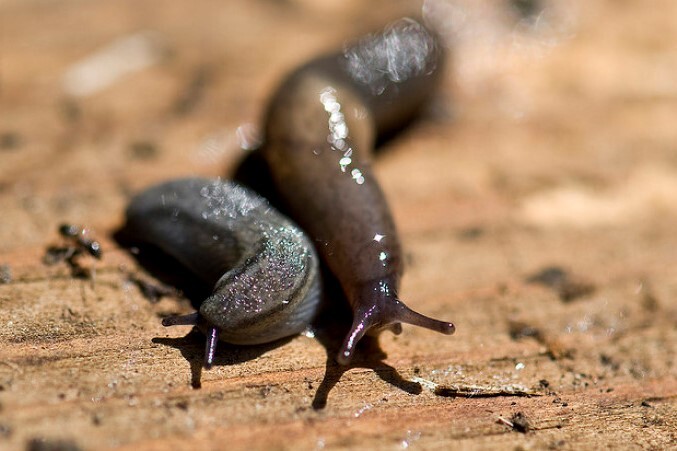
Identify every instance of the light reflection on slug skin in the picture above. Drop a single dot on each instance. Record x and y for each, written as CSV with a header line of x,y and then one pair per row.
x,y
321,126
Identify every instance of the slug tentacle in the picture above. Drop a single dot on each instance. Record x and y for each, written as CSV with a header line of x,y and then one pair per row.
x,y
190,319
378,309
210,347
320,128
263,269
408,316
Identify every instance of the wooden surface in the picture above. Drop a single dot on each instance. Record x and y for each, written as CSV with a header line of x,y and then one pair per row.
x,y
536,200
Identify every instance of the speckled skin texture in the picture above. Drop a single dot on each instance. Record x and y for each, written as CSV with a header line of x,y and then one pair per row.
x,y
263,268
320,129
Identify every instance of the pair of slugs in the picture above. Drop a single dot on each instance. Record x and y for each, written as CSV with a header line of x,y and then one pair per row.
x,y
320,128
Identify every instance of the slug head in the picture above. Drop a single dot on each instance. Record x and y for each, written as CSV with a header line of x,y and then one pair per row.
x,y
376,307
261,301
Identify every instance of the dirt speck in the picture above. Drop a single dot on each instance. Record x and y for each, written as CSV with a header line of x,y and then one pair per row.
x,y
567,286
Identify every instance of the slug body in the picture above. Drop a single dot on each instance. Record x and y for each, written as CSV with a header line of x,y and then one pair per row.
x,y
321,126
263,268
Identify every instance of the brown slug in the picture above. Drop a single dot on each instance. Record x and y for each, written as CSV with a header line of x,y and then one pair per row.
x,y
320,128
264,270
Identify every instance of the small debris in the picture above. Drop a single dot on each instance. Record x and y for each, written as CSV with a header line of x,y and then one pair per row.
x,y
518,422
479,391
182,404
505,422
97,419
5,274
265,391
77,241
80,236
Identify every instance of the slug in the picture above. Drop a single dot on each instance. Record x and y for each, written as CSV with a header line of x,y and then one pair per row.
x,y
320,128
264,270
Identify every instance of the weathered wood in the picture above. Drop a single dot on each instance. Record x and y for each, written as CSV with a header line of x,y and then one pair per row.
x,y
547,164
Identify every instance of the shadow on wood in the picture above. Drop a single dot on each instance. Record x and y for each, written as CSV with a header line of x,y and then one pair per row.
x,y
192,349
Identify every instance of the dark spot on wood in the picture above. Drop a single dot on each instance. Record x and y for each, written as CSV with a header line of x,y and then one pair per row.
x,y
5,431
567,286
182,404
527,9
10,141
5,274
520,330
471,233
70,110
43,444
649,300
193,93
607,360
97,419
143,150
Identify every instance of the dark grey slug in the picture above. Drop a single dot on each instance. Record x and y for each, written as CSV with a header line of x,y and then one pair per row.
x,y
263,268
320,128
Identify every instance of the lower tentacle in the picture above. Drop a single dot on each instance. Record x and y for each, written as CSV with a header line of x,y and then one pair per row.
x,y
210,348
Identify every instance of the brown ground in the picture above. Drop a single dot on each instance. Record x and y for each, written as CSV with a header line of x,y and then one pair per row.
x,y
536,202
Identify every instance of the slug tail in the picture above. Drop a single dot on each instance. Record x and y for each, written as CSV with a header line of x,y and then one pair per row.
x,y
181,320
210,348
